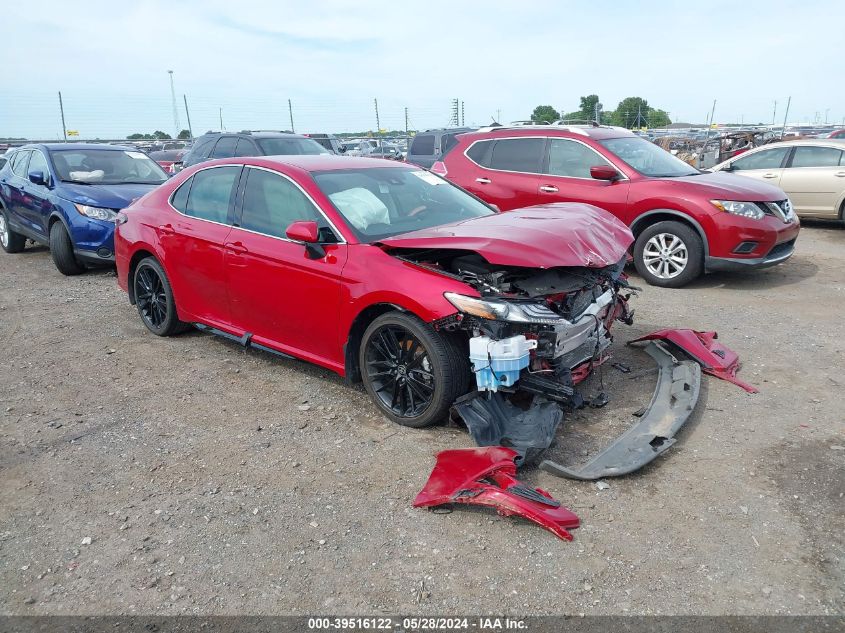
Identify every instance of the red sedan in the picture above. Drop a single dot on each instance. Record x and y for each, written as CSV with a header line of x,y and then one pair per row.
x,y
381,272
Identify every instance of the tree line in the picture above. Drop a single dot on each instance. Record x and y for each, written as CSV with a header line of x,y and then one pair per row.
x,y
632,112
158,135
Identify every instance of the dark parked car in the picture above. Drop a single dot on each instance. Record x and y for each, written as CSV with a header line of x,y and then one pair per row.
x,y
329,141
428,147
67,195
685,221
229,145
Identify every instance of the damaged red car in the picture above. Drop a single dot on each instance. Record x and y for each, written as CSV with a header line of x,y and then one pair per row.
x,y
386,274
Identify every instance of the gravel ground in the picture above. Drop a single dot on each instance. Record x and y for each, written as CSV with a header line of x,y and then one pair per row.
x,y
186,476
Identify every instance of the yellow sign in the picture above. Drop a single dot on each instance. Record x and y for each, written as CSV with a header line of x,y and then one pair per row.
x,y
73,132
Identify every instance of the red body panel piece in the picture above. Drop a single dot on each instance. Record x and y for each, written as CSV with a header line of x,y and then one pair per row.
x,y
715,359
532,237
486,477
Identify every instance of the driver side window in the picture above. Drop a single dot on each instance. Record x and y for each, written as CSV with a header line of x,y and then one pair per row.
x,y
272,203
571,159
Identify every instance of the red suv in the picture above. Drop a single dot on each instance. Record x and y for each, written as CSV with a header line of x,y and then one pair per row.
x,y
686,222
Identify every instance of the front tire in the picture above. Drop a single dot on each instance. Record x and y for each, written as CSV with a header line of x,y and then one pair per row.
x,y
10,241
669,254
61,250
412,372
154,299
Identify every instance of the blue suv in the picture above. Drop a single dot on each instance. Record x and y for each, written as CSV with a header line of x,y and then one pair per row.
x,y
67,195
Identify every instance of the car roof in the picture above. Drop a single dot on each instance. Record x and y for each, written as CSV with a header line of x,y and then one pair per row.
x,y
257,134
314,162
567,131
77,146
837,143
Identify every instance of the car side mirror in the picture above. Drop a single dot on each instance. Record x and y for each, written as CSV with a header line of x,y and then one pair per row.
x,y
37,177
604,172
307,232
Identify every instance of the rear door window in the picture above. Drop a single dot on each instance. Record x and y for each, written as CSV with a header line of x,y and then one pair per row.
x,y
203,147
809,156
480,153
571,159
767,159
518,154
19,162
225,147
423,145
211,193
245,147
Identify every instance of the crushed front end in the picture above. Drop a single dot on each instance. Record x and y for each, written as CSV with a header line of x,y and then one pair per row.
x,y
534,335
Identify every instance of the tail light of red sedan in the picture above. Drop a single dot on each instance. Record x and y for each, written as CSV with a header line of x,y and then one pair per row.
x,y
439,168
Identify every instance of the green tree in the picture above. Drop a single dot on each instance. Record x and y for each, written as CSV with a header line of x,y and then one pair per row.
x,y
162,136
587,110
184,134
634,112
545,114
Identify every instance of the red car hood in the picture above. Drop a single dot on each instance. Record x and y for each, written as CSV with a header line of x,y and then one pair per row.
x,y
728,186
544,236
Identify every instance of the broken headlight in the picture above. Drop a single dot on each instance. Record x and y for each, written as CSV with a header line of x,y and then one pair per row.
x,y
502,310
744,209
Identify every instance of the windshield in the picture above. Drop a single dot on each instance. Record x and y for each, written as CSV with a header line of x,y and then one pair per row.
x,y
647,158
290,146
385,201
106,167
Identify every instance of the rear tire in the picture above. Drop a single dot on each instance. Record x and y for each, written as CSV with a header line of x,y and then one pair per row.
x,y
669,254
61,250
10,241
154,299
412,372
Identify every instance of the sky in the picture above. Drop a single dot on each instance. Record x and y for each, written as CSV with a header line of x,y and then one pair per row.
x,y
245,60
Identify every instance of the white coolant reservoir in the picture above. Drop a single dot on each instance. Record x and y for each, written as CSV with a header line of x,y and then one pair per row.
x,y
498,363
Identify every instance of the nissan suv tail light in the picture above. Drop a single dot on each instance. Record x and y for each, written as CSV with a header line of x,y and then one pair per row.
x,y
439,168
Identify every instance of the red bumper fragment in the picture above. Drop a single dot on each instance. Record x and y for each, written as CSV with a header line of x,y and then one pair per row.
x,y
715,359
486,477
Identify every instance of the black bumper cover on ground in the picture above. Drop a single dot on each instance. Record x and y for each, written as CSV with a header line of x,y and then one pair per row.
x,y
673,401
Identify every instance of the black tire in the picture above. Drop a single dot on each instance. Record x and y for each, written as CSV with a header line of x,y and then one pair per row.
x,y
661,266
434,367
61,250
154,299
10,241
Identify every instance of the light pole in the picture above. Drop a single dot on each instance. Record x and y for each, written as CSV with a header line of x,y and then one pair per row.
x,y
175,110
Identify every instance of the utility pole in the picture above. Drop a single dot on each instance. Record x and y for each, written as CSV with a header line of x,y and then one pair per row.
x,y
188,115
221,119
707,136
785,117
290,112
406,121
455,119
774,113
173,102
464,121
378,123
498,116
597,113
826,112
62,110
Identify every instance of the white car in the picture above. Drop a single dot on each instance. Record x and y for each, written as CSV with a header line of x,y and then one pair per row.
x,y
811,172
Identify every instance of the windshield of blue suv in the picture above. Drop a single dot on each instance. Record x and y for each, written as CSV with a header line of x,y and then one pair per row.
x,y
106,167
381,202
647,158
290,146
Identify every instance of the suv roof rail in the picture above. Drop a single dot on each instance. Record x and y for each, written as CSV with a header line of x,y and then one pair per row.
x,y
585,122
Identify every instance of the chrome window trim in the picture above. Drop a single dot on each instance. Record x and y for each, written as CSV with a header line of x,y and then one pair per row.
x,y
532,173
342,238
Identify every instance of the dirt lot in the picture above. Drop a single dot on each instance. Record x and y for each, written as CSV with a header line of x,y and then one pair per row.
x,y
213,480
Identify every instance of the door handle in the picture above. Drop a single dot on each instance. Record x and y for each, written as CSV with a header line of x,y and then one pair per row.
x,y
770,175
167,229
237,247
840,174
483,181
548,188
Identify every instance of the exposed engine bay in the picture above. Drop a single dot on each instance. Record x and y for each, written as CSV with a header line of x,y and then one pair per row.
x,y
564,314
